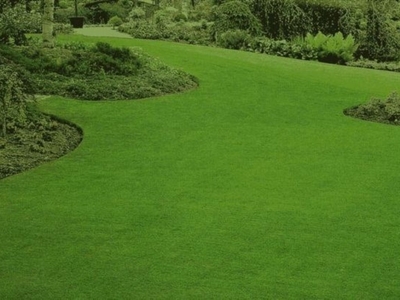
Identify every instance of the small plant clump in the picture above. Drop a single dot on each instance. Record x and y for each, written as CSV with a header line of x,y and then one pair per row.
x,y
376,110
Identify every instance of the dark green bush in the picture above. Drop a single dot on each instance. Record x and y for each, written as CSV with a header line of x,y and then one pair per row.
x,y
370,64
234,15
234,39
177,32
377,110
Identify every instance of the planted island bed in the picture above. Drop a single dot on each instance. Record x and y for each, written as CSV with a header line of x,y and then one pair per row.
x,y
79,70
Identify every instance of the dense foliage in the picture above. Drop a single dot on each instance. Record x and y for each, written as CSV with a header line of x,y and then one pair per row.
x,y
96,72
358,29
28,136
378,110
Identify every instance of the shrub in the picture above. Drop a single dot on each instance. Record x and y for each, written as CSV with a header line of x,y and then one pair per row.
x,y
234,15
370,64
60,28
377,110
234,39
13,100
115,21
137,14
15,22
282,48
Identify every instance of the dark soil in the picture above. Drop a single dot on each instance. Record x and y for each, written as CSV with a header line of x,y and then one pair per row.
x,y
37,147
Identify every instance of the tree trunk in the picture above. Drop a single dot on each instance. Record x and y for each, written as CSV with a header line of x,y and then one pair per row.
x,y
47,24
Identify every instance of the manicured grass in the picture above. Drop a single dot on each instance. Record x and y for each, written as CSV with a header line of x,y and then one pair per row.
x,y
254,186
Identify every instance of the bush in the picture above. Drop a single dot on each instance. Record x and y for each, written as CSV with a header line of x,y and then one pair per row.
x,y
234,39
115,21
180,32
370,64
13,100
282,48
15,22
377,110
234,15
137,14
60,28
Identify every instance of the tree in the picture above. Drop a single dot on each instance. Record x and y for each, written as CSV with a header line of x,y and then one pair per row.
x,y
47,24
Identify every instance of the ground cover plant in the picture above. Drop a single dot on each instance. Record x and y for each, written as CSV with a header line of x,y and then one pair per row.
x,y
28,137
96,72
253,186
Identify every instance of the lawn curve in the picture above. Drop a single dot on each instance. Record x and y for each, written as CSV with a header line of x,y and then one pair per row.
x,y
253,186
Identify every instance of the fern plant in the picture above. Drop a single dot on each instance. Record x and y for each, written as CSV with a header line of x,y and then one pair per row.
x,y
332,49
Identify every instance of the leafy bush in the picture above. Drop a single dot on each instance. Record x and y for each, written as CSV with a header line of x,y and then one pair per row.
x,y
234,39
370,64
60,28
136,14
179,32
235,15
15,22
377,110
282,48
13,100
115,21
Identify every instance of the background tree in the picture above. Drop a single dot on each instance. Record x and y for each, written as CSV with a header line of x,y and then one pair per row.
x,y
47,23
382,40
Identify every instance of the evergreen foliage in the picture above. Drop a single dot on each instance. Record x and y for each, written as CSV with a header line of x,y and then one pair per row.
x,y
235,15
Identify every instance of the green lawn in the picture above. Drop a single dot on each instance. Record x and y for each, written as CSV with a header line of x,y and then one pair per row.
x,y
254,186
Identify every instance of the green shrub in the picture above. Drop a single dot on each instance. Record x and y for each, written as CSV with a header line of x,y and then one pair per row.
x,y
13,100
179,32
377,110
234,39
370,64
136,14
234,15
15,22
115,21
60,28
